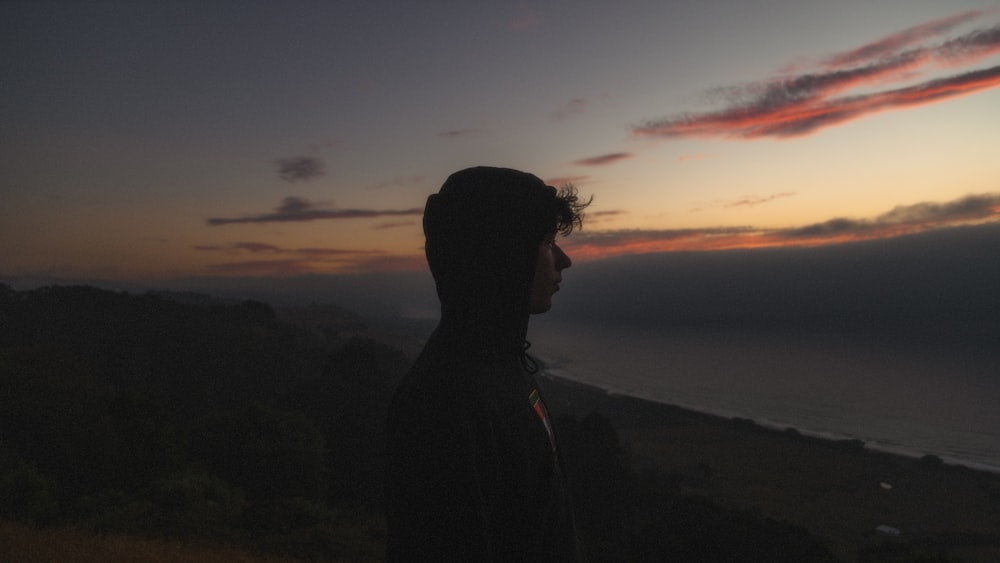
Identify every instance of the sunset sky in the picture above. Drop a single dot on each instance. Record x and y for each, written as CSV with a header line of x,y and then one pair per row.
x,y
157,140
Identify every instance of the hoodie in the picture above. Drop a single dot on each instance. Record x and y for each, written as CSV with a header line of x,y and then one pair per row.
x,y
473,466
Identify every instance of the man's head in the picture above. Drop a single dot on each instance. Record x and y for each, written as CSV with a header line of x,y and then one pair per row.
x,y
490,235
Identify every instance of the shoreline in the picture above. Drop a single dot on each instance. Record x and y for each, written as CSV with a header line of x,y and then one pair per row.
x,y
842,492
869,444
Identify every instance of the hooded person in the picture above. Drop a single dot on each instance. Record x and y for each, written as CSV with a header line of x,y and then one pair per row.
x,y
473,471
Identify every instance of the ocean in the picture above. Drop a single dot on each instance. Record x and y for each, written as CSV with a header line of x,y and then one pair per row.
x,y
899,399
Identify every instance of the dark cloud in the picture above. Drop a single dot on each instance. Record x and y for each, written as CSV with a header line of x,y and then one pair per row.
x,y
977,44
829,229
263,267
968,208
803,104
603,159
262,247
256,247
299,168
393,225
301,209
573,107
905,219
459,133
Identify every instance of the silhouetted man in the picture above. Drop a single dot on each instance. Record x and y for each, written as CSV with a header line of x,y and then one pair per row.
x,y
473,469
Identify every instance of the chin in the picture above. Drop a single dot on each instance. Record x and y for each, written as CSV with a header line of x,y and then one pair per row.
x,y
539,308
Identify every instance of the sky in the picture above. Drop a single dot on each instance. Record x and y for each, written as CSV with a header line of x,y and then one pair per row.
x,y
162,140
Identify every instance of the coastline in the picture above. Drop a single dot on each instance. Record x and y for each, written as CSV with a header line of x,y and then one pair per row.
x,y
840,490
868,443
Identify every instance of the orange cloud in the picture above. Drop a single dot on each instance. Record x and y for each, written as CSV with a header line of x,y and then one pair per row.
x,y
902,220
804,104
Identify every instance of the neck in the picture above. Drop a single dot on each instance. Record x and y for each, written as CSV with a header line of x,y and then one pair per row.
x,y
502,334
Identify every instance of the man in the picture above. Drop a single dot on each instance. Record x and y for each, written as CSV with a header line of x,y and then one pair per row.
x,y
473,469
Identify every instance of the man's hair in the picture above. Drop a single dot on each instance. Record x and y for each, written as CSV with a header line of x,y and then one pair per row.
x,y
568,209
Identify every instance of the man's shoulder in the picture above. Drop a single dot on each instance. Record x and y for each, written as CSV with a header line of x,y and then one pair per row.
x,y
462,381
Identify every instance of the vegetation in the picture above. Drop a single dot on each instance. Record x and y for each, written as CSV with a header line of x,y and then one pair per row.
x,y
183,419
202,421
25,544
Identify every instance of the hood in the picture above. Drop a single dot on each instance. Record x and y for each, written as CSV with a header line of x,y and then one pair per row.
x,y
482,230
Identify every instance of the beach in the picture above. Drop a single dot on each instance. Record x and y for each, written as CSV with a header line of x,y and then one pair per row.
x,y
845,494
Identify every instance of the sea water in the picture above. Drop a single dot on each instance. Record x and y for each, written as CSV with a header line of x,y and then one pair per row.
x,y
895,399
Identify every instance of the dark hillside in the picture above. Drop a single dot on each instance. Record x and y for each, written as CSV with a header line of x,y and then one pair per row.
x,y
183,417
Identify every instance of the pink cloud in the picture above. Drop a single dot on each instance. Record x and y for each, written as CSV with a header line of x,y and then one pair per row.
x,y
809,102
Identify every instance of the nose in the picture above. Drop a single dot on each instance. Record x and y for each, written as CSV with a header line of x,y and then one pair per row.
x,y
562,259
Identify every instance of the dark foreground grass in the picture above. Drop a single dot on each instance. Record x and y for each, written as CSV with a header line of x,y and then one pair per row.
x,y
24,544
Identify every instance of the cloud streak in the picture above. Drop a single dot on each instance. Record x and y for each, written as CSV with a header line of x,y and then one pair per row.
x,y
603,159
893,43
750,201
902,220
300,168
292,261
294,209
459,133
574,107
791,106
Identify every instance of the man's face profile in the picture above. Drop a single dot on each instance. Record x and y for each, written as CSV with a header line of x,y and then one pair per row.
x,y
549,265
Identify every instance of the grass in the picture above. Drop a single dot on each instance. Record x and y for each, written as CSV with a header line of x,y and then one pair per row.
x,y
24,544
